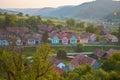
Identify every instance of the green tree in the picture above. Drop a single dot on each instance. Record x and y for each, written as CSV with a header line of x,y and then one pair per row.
x,y
32,22
45,37
14,66
81,25
80,73
114,33
86,73
113,63
79,48
92,29
21,22
27,15
113,75
5,13
100,38
10,20
48,22
59,26
1,22
39,20
119,35
61,53
70,22
20,14
41,67
0,13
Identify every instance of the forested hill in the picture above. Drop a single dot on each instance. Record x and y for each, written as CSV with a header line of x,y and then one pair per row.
x,y
114,16
7,11
89,10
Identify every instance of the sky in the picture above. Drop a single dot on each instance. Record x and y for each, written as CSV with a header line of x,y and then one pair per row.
x,y
38,3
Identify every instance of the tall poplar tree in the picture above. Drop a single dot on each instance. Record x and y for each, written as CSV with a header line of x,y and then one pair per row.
x,y
119,35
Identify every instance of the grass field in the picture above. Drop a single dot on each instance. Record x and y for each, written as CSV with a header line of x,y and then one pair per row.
x,y
31,50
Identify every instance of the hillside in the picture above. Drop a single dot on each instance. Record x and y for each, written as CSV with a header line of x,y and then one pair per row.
x,y
35,11
89,10
114,16
8,11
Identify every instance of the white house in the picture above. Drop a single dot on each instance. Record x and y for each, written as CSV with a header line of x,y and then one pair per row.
x,y
19,42
61,65
31,42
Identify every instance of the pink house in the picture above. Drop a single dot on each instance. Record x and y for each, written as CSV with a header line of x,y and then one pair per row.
x,y
65,38
83,40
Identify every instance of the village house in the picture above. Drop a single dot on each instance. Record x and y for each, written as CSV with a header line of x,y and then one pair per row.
x,y
111,51
104,54
111,38
33,39
30,41
100,53
4,41
64,38
83,40
57,63
73,40
3,38
38,38
50,29
64,30
83,60
19,42
16,35
18,30
41,28
105,31
90,36
55,40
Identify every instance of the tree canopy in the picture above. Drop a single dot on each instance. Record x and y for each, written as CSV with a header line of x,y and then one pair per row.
x,y
70,22
14,66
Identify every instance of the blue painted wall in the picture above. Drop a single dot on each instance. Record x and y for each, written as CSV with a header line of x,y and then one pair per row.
x,y
96,65
55,40
4,42
0,42
73,40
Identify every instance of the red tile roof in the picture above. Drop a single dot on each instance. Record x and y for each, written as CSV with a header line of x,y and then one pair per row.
x,y
50,28
33,36
18,29
109,36
111,51
99,53
67,35
65,30
81,60
55,62
85,35
42,28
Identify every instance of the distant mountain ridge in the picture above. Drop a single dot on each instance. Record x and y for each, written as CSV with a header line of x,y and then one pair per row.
x,y
114,16
8,11
88,10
